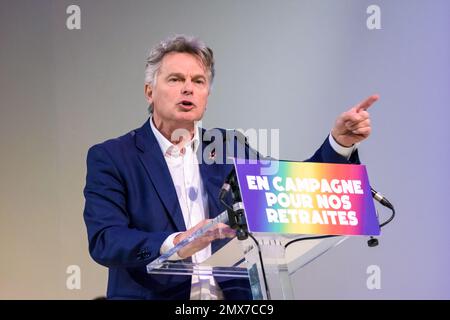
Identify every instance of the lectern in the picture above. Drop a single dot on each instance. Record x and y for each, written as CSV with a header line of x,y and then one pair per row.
x,y
268,264
270,246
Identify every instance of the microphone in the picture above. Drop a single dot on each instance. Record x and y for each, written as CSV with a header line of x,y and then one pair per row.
x,y
381,199
373,242
230,182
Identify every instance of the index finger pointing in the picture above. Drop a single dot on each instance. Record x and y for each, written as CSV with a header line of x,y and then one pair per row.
x,y
367,103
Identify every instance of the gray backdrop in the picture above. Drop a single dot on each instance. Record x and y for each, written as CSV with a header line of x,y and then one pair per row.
x,y
291,65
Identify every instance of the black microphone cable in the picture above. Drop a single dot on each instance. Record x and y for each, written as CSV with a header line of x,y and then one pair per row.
x,y
372,242
385,202
263,271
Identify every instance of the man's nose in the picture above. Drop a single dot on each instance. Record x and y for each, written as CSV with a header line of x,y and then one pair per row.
x,y
187,87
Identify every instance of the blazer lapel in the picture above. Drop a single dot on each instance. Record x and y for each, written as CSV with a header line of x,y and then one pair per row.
x,y
212,182
156,167
213,176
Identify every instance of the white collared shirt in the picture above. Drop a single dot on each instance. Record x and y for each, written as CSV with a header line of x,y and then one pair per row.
x,y
185,172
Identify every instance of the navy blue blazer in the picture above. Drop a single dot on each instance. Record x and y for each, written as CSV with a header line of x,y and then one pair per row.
x,y
131,207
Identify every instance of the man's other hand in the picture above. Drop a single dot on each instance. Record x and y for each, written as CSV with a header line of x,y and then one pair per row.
x,y
219,231
353,125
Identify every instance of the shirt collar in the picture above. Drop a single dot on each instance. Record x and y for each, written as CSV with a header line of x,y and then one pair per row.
x,y
168,148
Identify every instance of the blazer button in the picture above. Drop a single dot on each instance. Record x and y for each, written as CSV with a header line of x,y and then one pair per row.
x,y
143,255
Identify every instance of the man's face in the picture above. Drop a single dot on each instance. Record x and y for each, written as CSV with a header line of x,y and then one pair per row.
x,y
181,91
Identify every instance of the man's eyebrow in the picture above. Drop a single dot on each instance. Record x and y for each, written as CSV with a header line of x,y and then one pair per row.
x,y
175,74
199,76
178,74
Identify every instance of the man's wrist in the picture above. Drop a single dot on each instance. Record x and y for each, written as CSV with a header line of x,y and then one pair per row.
x,y
169,244
346,152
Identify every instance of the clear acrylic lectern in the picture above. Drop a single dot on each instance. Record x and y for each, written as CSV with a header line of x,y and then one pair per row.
x,y
268,264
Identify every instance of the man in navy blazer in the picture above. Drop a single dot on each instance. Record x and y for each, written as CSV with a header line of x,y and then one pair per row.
x,y
146,191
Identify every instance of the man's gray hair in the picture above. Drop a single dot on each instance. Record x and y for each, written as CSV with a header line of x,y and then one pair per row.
x,y
182,44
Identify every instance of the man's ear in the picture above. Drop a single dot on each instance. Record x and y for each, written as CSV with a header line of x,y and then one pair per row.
x,y
148,92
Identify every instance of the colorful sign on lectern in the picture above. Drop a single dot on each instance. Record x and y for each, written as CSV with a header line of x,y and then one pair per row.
x,y
307,198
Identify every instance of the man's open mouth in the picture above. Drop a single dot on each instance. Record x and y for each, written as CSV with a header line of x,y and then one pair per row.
x,y
186,103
